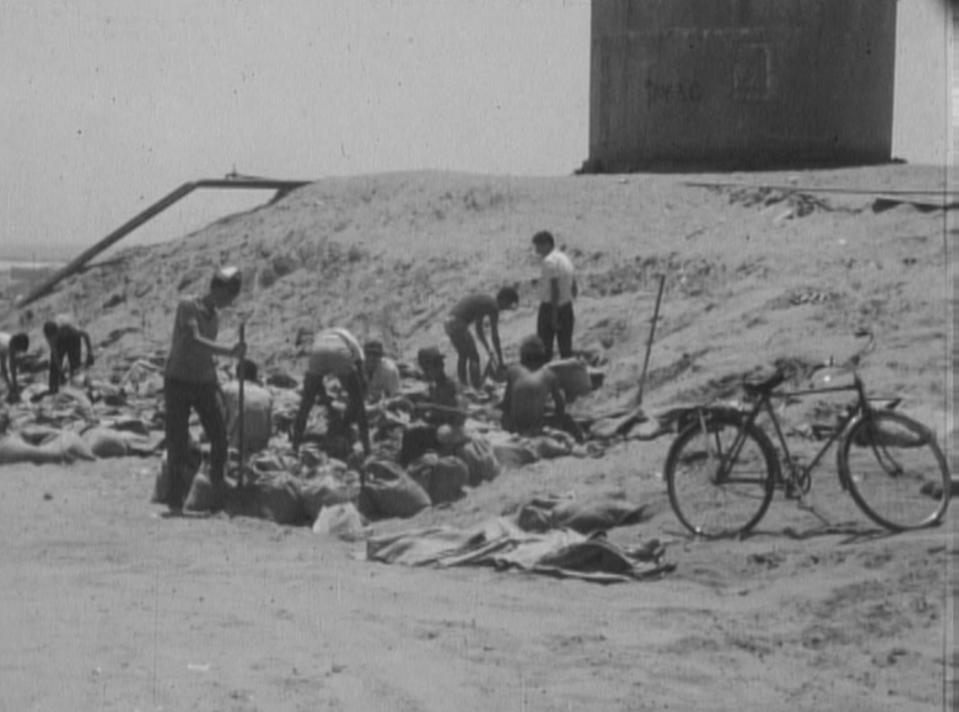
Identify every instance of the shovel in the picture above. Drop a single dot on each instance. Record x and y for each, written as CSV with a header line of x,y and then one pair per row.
x,y
241,425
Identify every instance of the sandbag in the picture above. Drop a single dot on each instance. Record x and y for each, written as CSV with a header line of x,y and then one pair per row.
x,y
393,493
549,447
278,498
514,454
320,492
14,449
443,478
202,496
480,460
69,446
106,442
574,378
340,520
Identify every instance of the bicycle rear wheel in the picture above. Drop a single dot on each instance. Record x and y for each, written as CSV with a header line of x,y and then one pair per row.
x,y
711,496
895,471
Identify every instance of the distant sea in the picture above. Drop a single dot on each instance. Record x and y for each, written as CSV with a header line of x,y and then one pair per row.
x,y
7,265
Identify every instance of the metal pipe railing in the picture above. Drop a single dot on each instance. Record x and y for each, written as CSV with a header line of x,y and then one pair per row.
x,y
231,181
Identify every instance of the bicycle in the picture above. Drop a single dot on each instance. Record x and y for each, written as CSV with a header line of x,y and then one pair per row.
x,y
722,468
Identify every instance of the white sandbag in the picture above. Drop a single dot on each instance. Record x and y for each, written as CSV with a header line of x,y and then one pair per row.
x,y
202,496
342,521
321,492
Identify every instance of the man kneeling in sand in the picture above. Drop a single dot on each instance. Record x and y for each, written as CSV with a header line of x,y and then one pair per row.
x,y
528,386
257,409
335,352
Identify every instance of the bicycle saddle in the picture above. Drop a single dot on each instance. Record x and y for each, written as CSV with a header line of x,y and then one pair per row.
x,y
757,386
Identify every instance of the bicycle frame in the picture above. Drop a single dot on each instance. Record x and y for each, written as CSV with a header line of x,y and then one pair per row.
x,y
798,475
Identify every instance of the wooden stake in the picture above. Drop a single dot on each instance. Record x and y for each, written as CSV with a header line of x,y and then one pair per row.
x,y
649,342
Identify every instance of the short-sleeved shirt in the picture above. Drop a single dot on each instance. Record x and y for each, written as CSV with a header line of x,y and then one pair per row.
x,y
335,352
188,360
474,307
384,381
556,265
257,415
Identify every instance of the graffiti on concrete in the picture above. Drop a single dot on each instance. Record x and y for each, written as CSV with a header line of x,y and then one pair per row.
x,y
672,92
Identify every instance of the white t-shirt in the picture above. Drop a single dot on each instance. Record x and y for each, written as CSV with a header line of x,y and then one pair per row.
x,y
335,352
556,265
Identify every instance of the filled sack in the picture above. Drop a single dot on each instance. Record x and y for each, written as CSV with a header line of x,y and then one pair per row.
x,y
106,442
390,492
481,462
443,478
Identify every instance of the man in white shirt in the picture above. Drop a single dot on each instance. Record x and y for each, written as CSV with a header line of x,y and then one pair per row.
x,y
557,289
257,409
335,352
382,374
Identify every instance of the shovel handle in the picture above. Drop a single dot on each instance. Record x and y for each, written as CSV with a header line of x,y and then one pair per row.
x,y
240,424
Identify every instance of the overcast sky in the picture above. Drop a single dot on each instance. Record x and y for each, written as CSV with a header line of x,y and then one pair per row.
x,y
108,105
111,104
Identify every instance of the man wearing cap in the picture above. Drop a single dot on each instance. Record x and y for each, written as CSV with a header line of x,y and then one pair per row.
x,y
382,374
335,352
557,289
440,408
190,383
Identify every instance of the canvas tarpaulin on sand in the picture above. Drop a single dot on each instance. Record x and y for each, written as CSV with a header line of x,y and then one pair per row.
x,y
500,543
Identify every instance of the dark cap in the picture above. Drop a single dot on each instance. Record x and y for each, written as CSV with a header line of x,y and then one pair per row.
x,y
429,354
373,348
229,277
544,237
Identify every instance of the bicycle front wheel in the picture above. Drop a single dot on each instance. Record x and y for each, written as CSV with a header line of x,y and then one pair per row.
x,y
720,475
895,471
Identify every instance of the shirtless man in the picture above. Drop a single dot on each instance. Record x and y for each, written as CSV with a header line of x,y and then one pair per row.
x,y
335,352
474,309
528,386
441,408
257,409
65,341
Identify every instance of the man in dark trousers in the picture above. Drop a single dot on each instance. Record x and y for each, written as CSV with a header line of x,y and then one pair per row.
x,y
65,341
557,289
190,383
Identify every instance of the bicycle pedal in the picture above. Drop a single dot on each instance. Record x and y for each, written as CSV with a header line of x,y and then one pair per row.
x,y
792,491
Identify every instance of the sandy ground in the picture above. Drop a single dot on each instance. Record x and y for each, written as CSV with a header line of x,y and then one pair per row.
x,y
106,605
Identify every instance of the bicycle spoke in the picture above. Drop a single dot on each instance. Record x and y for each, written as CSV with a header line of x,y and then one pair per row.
x,y
711,494
896,472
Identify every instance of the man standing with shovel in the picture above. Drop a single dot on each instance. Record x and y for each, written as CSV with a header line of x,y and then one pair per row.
x,y
190,383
